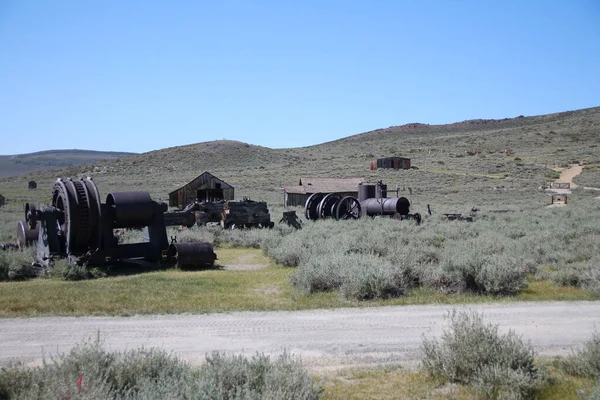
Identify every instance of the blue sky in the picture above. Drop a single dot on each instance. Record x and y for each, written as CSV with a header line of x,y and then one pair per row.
x,y
144,75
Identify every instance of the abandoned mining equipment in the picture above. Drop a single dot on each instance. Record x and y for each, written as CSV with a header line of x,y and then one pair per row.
x,y
78,227
231,214
457,216
372,201
291,219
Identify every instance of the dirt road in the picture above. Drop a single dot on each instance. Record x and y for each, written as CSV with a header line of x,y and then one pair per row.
x,y
325,339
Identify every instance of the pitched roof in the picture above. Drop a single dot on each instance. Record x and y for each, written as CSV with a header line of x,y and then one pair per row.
x,y
325,185
202,174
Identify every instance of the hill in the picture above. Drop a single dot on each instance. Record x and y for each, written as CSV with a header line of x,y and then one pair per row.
x,y
52,159
495,163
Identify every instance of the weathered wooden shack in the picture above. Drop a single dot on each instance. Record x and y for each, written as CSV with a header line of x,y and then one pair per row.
x,y
391,162
32,185
297,195
1,200
205,187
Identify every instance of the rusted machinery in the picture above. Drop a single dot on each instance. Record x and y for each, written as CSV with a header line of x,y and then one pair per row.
x,y
291,219
246,214
232,214
332,205
372,201
78,227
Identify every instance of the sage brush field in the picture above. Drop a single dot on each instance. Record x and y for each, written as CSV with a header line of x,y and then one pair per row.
x,y
495,255
91,372
376,258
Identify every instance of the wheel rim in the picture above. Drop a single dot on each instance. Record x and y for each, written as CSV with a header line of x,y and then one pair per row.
x,y
347,208
311,205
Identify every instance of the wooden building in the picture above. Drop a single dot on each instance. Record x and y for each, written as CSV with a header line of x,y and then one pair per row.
x,y
2,200
391,162
297,195
205,187
32,185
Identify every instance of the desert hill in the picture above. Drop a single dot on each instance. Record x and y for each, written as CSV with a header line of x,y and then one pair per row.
x,y
476,162
52,159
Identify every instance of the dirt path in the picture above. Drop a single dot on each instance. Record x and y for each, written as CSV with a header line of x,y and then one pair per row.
x,y
325,339
568,174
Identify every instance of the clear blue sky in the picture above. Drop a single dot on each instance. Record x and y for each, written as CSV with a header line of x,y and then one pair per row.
x,y
144,75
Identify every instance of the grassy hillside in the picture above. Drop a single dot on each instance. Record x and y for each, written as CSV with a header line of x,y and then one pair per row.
x,y
52,159
485,163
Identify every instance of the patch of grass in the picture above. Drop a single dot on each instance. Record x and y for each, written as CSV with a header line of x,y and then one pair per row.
x,y
208,291
398,383
390,383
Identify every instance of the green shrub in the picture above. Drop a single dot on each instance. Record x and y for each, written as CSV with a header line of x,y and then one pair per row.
x,y
585,362
474,353
16,265
595,393
68,271
592,280
237,377
357,276
479,273
90,372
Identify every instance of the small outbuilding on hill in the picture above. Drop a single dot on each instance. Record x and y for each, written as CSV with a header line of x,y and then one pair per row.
x,y
205,187
391,162
32,185
2,200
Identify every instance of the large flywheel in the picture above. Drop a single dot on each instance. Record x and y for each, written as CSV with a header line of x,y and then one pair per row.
x,y
79,204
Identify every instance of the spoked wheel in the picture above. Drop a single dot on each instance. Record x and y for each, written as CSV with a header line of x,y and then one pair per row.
x,y
311,205
347,208
325,206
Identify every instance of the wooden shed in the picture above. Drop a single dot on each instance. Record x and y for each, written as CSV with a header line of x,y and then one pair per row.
x,y
297,195
1,200
391,162
205,187
32,185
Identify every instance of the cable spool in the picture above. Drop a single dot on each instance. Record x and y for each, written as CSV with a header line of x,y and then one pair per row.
x,y
130,209
79,207
192,254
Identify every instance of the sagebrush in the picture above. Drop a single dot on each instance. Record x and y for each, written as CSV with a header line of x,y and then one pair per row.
x,y
90,372
472,352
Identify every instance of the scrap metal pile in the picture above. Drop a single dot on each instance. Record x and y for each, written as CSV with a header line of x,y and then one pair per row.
x,y
372,201
78,227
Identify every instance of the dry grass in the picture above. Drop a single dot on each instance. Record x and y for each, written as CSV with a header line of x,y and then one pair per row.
x,y
398,383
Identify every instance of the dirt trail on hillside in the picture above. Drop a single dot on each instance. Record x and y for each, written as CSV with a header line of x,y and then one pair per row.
x,y
324,339
568,174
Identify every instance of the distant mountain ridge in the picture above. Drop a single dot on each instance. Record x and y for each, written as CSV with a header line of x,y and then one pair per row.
x,y
20,164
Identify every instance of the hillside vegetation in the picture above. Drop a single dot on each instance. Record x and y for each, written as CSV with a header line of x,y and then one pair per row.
x,y
484,163
21,164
